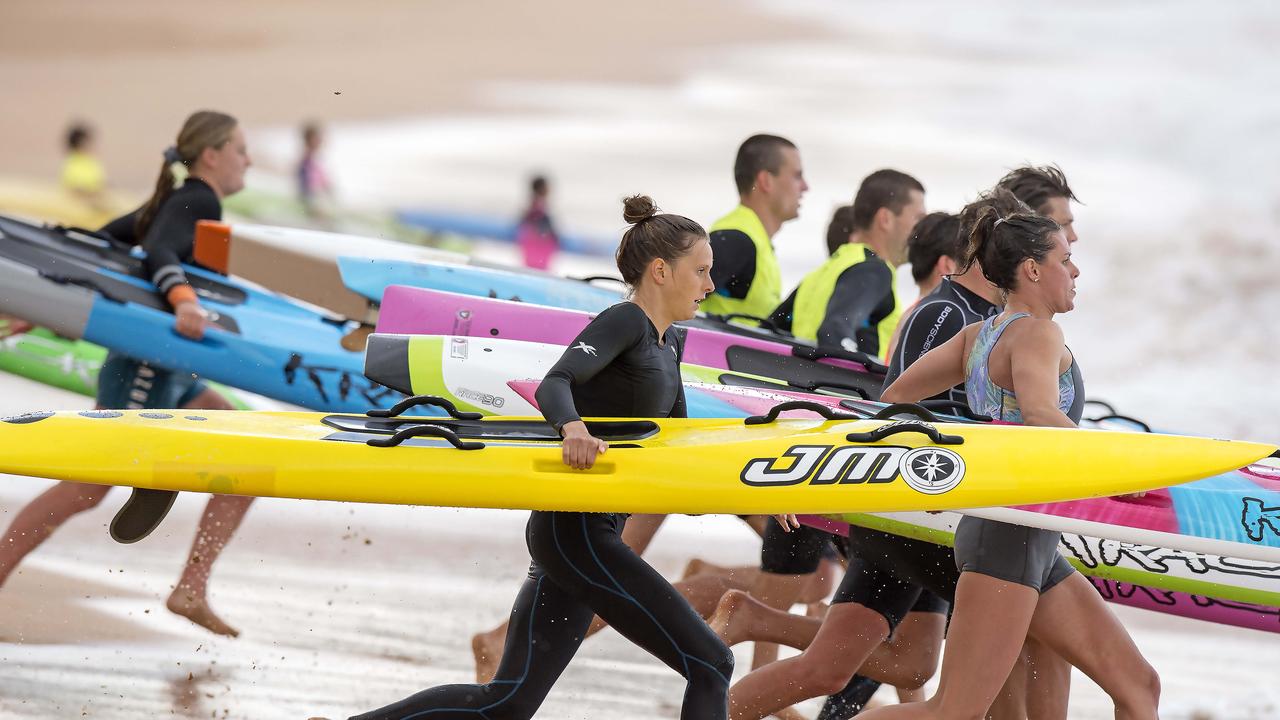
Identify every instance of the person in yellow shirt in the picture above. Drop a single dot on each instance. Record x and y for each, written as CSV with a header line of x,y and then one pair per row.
x,y
850,301
82,172
770,182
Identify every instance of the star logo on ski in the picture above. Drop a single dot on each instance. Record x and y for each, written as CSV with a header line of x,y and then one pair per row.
x,y
933,465
932,470
585,348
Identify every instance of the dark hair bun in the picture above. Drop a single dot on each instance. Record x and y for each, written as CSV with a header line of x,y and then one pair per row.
x,y
638,208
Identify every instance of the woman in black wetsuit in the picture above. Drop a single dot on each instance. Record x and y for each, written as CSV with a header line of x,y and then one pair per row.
x,y
211,148
626,363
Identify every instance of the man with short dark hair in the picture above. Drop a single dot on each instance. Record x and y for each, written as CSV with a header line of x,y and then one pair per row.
x,y
850,302
770,183
1045,190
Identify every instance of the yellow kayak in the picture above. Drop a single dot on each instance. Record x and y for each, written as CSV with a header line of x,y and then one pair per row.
x,y
659,466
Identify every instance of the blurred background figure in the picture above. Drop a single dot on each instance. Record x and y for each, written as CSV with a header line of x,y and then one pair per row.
x,y
314,188
839,229
82,171
535,235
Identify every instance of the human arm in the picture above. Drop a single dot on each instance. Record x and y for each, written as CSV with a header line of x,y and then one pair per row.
x,y
933,373
168,243
858,291
600,343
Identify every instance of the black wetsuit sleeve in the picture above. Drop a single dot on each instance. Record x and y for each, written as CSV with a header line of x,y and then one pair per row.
x,y
612,333
121,230
929,326
170,239
859,290
782,315
734,266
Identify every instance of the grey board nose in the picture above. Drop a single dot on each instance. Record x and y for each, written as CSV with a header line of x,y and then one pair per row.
x,y
386,361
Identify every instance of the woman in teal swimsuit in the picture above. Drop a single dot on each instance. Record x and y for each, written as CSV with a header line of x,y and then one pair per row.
x,y
1016,367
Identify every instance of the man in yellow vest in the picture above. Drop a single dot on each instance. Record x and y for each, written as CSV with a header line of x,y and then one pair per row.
x,y
850,301
770,184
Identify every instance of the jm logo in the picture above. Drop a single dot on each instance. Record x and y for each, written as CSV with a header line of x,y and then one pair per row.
x,y
585,348
928,470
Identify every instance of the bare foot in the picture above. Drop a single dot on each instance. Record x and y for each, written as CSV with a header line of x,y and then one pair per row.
x,y
732,618
487,647
197,610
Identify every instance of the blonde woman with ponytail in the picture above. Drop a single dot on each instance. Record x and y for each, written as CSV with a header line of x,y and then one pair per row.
x,y
211,152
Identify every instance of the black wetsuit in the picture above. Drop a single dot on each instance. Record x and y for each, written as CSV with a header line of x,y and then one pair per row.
x,y
129,383
862,298
938,317
615,367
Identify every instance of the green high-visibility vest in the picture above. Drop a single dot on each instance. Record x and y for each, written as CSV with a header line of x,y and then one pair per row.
x,y
766,285
814,293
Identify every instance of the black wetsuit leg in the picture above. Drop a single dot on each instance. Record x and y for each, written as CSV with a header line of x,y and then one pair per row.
x,y
582,568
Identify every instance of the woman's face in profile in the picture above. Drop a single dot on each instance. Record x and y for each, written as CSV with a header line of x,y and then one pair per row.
x,y
1058,275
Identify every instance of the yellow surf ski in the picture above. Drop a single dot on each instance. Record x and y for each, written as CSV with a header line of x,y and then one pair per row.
x,y
657,466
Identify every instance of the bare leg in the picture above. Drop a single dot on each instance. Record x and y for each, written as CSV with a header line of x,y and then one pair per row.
x,y
779,592
221,517
910,657
984,642
37,521
907,661
1011,701
742,618
757,523
741,577
190,598
487,646
910,696
1048,681
1105,653
843,641
639,531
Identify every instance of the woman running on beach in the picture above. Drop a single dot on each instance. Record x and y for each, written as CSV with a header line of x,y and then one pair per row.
x,y
211,147
1013,582
626,363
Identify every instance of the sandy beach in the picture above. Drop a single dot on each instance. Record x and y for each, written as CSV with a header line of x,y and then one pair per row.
x,y
346,607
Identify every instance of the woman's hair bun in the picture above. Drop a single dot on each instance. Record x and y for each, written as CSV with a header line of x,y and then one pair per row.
x,y
638,208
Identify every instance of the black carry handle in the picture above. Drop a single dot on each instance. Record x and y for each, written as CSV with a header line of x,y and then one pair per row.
x,y
905,426
417,400
595,278
955,407
818,353
823,410
888,411
762,322
1124,418
815,385
1111,409
425,431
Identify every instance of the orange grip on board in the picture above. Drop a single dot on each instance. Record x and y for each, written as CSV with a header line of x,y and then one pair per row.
x,y
213,245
